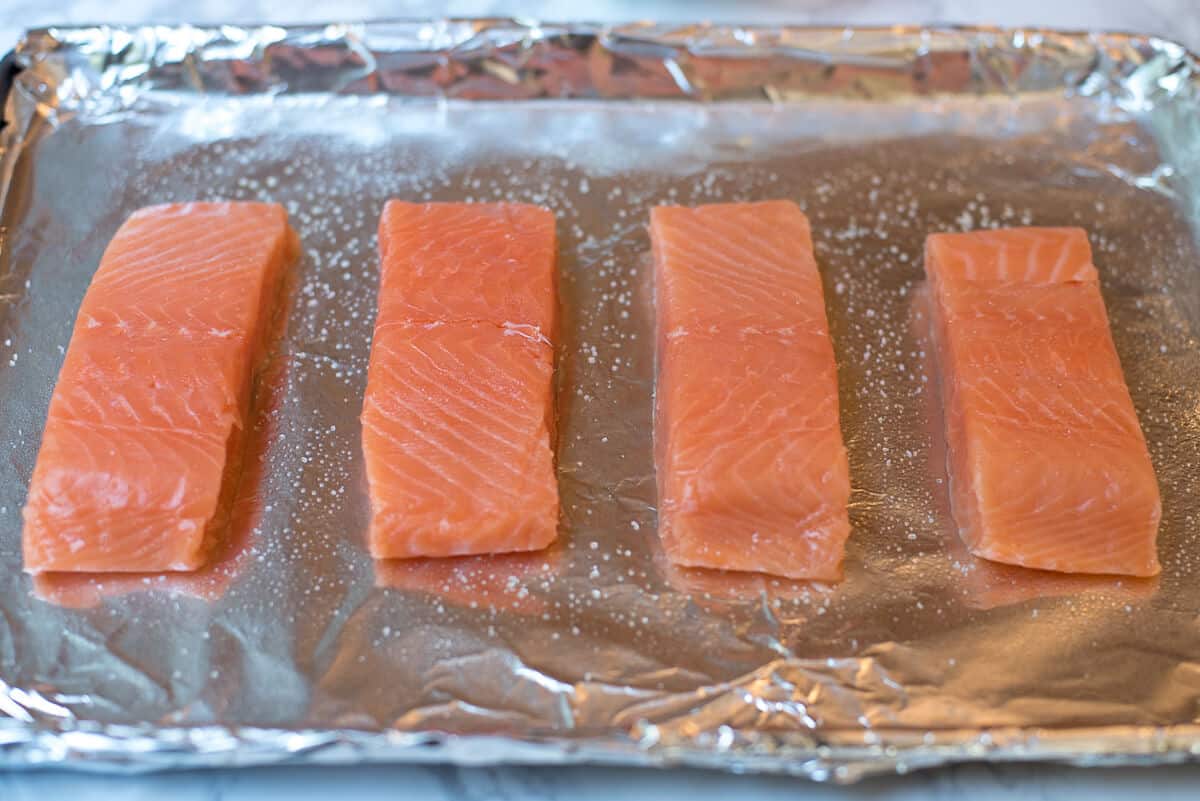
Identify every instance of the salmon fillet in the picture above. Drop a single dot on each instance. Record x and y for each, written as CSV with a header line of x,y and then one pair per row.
x,y
458,415
1048,465
141,440
752,470
469,263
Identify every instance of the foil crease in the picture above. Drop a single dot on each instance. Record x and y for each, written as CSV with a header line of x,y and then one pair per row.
x,y
294,646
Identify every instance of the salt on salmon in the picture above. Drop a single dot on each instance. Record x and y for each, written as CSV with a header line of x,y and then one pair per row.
x,y
1047,461
234,548
752,469
459,411
140,454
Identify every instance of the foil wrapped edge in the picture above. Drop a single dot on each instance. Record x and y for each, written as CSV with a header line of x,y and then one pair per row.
x,y
111,69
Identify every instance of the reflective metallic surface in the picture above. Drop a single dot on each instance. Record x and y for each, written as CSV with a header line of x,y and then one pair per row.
x,y
294,646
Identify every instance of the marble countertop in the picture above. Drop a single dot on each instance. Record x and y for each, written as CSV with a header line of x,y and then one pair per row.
x,y
1179,19
445,783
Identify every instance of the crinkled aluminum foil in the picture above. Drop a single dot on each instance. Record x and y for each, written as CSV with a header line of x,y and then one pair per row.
x,y
293,645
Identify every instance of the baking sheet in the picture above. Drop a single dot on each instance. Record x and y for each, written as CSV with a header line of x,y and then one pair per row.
x,y
293,645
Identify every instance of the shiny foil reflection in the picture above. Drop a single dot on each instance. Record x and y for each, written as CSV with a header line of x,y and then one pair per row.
x,y
296,646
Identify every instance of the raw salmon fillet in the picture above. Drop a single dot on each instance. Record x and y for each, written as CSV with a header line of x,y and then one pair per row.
x,y
1048,465
141,441
458,415
752,470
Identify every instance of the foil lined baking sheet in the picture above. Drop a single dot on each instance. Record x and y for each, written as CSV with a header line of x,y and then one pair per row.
x,y
294,645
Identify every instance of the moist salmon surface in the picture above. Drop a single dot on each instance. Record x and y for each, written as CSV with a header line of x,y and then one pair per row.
x,y
144,422
1047,461
458,413
752,469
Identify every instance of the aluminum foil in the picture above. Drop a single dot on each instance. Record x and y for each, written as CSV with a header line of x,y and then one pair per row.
x,y
294,646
